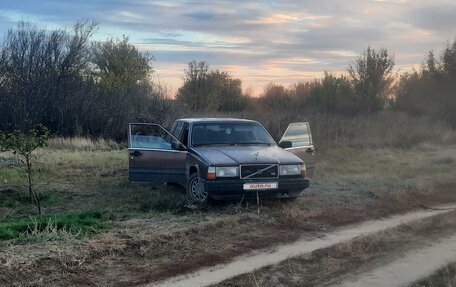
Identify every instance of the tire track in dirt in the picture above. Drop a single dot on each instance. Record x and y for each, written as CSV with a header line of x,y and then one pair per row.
x,y
255,260
411,267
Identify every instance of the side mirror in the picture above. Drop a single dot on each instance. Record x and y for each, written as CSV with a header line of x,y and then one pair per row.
x,y
285,144
177,145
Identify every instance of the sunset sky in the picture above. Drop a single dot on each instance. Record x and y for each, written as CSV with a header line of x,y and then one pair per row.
x,y
259,42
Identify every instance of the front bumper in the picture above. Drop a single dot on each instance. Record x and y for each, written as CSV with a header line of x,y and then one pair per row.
x,y
226,189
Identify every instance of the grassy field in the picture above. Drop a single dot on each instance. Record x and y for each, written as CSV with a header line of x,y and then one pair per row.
x,y
98,228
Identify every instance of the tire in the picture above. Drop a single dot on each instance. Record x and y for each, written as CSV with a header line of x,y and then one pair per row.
x,y
195,190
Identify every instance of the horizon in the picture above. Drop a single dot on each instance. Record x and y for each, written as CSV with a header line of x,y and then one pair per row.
x,y
279,42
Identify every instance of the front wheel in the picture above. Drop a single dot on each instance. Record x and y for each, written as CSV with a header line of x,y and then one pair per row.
x,y
196,191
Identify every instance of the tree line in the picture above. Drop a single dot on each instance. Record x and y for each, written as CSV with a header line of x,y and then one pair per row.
x,y
366,89
369,85
75,86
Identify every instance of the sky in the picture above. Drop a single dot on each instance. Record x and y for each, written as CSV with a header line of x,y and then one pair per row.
x,y
257,41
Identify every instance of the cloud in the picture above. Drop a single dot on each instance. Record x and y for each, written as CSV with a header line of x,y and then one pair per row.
x,y
284,40
200,15
436,18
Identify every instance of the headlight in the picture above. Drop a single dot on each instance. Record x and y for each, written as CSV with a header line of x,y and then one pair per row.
x,y
294,169
226,171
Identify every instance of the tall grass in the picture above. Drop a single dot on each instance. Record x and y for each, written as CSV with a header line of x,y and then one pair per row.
x,y
83,144
384,129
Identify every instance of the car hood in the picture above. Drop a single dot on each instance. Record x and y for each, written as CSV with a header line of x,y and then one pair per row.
x,y
237,155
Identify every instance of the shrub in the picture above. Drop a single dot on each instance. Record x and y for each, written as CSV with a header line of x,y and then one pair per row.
x,y
24,144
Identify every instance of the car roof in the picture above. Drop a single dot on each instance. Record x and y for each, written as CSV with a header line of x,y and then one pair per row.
x,y
215,120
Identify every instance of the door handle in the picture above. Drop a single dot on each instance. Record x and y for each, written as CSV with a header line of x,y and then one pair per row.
x,y
310,150
135,153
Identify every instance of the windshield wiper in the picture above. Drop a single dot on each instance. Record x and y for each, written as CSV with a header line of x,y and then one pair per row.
x,y
209,144
257,143
232,144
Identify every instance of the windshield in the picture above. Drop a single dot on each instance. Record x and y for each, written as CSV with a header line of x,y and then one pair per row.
x,y
229,133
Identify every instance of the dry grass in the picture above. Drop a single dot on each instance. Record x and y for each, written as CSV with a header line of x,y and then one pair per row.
x,y
83,144
148,241
140,253
149,246
62,166
385,129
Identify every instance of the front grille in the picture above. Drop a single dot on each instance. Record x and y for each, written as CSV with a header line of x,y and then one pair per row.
x,y
261,170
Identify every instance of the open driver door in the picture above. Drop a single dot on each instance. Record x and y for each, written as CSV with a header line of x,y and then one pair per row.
x,y
155,155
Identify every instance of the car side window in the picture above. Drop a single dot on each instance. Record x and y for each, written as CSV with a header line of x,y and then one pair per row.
x,y
173,128
177,129
184,134
149,136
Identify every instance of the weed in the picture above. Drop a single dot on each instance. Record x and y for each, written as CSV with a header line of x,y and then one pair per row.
x,y
49,227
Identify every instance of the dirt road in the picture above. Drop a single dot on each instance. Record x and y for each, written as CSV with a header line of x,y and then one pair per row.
x,y
249,263
413,266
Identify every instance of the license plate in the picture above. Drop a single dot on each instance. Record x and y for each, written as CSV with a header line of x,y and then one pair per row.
x,y
261,185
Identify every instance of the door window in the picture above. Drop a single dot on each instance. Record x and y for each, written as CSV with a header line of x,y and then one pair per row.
x,y
298,134
177,129
149,136
184,135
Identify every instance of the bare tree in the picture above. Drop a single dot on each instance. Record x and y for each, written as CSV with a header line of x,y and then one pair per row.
x,y
40,72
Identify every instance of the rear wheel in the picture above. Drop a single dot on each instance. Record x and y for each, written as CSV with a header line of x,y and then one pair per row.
x,y
196,191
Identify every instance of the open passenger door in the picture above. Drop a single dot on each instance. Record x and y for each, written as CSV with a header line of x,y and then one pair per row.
x,y
155,155
297,139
